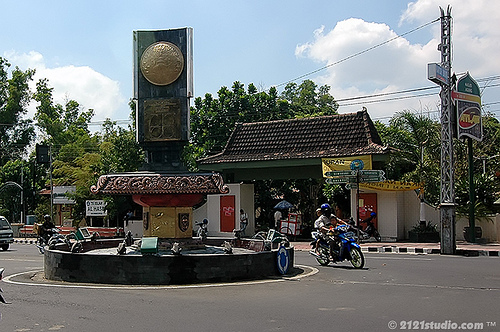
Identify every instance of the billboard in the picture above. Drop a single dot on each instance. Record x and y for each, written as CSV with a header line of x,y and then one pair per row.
x,y
468,102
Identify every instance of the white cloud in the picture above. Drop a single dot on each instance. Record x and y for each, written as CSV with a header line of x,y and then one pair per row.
x,y
91,89
400,64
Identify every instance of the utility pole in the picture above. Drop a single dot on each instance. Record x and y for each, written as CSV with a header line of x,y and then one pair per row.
x,y
447,196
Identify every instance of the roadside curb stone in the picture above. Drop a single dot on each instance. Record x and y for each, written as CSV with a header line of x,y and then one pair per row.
x,y
492,250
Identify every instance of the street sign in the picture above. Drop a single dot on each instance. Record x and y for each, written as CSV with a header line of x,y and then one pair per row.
x,y
372,179
371,172
341,173
337,180
341,180
437,74
350,186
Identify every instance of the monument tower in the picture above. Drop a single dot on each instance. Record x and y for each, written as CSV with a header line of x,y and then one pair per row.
x,y
163,86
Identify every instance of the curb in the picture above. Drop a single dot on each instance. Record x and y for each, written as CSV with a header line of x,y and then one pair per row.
x,y
401,250
30,241
375,249
419,251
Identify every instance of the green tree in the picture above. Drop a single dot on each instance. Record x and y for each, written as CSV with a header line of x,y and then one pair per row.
x,y
80,156
486,168
309,100
416,141
16,133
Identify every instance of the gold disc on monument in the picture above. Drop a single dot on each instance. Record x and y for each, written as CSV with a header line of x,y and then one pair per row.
x,y
162,63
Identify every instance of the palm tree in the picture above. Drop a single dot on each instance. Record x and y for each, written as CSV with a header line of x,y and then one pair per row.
x,y
416,137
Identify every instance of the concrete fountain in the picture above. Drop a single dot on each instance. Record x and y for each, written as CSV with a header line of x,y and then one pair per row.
x,y
166,191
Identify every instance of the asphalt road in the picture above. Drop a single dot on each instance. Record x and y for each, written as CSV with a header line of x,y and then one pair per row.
x,y
394,291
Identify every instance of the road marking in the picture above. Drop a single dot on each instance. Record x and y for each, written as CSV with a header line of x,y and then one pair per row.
x,y
415,285
8,279
406,258
23,260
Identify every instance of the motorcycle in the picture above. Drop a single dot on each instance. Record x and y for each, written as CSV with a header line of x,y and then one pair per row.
x,y
369,231
53,237
337,245
44,237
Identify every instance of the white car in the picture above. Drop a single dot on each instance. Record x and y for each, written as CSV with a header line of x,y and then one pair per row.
x,y
6,233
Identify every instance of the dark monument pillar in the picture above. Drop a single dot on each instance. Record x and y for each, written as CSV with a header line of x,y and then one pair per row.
x,y
163,85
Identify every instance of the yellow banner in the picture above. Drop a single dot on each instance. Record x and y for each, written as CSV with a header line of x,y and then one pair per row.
x,y
344,163
391,185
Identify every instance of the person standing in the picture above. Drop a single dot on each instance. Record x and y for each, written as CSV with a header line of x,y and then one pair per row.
x,y
277,219
243,221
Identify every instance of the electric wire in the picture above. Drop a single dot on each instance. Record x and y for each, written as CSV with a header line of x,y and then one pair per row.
x,y
358,53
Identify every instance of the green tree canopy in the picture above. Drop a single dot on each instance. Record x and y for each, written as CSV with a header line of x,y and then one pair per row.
x,y
79,155
16,133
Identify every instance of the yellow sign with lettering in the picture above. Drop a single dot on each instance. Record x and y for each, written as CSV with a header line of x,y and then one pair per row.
x,y
391,185
345,163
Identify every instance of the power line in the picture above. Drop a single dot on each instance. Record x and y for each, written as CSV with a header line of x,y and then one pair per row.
x,y
358,53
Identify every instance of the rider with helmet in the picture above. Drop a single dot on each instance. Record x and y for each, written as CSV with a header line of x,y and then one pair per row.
x,y
46,229
321,223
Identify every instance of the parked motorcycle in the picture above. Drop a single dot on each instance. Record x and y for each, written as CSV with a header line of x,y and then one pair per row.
x,y
369,231
337,245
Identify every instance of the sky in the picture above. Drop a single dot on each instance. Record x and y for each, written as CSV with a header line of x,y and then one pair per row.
x,y
84,48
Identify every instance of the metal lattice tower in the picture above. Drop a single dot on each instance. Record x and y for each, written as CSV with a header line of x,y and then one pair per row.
x,y
447,196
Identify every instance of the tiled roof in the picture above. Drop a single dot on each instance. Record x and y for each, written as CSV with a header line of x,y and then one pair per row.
x,y
314,137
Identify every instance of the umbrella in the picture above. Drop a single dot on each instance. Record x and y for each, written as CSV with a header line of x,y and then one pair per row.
x,y
283,205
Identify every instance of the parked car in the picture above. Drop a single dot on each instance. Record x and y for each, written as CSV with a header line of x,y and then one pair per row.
x,y
6,233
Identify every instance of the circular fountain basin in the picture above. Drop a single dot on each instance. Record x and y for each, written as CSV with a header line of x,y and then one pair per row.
x,y
100,263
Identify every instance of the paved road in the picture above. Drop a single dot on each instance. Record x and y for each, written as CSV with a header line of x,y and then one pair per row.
x,y
392,289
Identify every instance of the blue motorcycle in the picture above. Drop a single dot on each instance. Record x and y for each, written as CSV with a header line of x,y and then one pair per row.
x,y
337,245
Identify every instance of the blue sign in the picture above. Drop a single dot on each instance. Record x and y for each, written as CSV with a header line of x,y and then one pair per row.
x,y
283,260
357,164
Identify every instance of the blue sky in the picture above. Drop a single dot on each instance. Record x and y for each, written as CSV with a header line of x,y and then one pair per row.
x,y
84,48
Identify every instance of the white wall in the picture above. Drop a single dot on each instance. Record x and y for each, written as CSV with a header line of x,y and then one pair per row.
x,y
489,226
397,212
244,199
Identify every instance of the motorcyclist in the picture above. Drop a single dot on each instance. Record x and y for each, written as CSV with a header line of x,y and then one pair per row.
x,y
46,230
334,222
320,224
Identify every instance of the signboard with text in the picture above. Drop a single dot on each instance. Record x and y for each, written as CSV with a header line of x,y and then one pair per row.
x,y
468,102
95,208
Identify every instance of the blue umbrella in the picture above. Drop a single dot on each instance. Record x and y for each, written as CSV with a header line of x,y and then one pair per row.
x,y
283,205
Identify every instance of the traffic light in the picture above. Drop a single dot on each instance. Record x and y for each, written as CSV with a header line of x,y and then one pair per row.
x,y
42,154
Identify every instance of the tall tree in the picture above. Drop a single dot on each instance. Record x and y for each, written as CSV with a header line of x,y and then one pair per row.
x,y
81,156
16,133
416,140
486,170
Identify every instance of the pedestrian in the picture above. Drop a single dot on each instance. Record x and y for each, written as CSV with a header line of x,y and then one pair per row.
x,y
277,219
243,221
